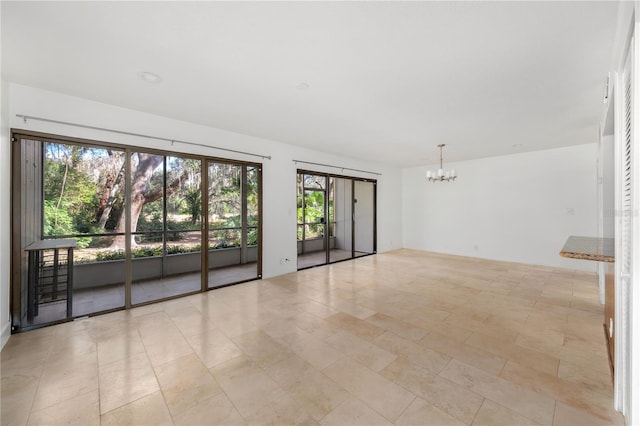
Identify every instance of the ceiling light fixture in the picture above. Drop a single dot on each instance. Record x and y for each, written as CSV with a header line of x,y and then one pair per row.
x,y
303,87
150,77
441,175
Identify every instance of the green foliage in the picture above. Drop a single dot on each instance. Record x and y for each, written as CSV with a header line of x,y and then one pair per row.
x,y
193,199
252,237
227,238
140,252
69,203
78,181
312,214
56,221
175,230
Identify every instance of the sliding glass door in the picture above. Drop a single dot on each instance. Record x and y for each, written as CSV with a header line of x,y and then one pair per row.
x,y
336,218
98,227
312,213
341,218
66,200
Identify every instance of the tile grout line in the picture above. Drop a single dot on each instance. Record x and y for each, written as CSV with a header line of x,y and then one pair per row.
x,y
407,407
154,375
98,371
484,399
222,390
49,352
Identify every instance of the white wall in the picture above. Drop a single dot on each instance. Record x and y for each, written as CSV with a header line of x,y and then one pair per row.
x,y
279,173
5,179
511,208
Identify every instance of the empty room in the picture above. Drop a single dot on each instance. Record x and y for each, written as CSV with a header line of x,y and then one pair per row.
x,y
332,213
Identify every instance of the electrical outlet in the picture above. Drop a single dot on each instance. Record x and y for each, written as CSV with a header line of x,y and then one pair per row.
x,y
570,211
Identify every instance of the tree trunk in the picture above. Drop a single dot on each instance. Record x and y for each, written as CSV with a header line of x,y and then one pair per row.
x,y
64,183
140,182
106,193
140,194
108,197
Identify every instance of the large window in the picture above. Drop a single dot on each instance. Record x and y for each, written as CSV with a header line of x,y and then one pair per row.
x,y
144,226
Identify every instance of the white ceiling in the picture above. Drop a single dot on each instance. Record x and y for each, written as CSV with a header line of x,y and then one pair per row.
x,y
388,81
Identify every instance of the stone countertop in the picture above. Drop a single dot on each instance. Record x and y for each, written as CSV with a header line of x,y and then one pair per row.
x,y
589,248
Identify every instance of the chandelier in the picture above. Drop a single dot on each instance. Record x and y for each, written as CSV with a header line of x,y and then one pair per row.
x,y
441,175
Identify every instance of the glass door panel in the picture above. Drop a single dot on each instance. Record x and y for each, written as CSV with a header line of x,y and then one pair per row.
x,y
77,211
70,195
147,224
340,219
98,285
165,226
251,233
364,218
182,261
314,245
312,224
233,223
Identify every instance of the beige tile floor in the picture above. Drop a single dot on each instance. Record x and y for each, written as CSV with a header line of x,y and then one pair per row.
x,y
401,338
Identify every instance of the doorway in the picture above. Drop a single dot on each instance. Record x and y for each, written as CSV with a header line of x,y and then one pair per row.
x,y
336,218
